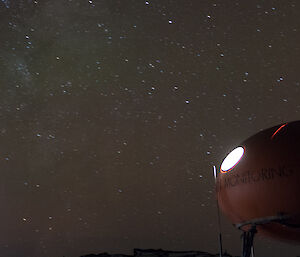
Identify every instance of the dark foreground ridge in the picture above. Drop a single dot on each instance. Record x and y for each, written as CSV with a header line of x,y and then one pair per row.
x,y
159,253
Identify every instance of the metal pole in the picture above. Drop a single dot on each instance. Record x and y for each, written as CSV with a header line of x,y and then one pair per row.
x,y
252,251
219,218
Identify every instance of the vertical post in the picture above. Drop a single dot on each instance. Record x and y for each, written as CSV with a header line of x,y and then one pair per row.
x,y
220,242
248,237
252,251
219,219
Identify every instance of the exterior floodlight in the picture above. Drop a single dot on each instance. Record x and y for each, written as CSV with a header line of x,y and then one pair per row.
x,y
232,159
258,187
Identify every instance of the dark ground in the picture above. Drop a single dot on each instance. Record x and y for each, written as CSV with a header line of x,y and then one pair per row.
x,y
160,253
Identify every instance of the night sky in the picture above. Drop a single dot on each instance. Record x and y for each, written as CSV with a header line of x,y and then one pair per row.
x,y
113,112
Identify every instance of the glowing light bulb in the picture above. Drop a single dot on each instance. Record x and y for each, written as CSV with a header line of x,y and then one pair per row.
x,y
232,159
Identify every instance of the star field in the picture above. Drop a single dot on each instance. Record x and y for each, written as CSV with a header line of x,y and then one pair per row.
x,y
114,112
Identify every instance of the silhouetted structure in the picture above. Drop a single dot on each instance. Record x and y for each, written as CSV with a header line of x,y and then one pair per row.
x,y
159,253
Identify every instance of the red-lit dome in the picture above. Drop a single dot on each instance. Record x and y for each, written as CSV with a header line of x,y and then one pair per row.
x,y
261,178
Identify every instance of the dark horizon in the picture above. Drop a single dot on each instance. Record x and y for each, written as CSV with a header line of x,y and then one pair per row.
x,y
159,252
